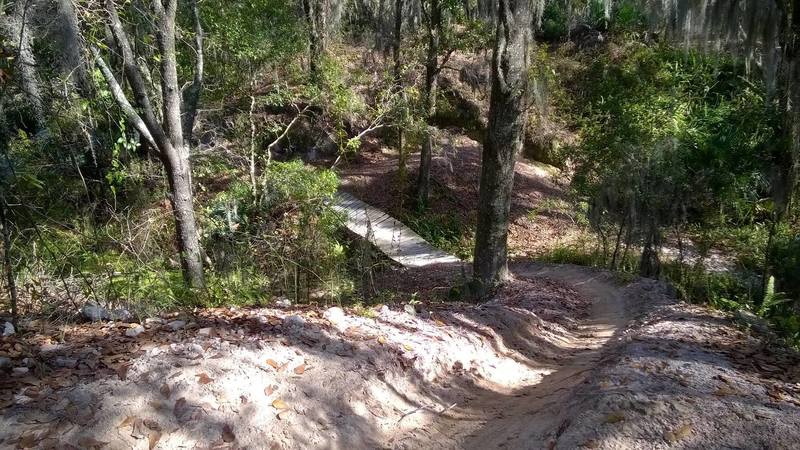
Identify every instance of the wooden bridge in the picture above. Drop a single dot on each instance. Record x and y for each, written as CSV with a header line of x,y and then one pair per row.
x,y
392,237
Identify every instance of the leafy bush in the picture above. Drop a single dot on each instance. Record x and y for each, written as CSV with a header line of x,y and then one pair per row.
x,y
443,231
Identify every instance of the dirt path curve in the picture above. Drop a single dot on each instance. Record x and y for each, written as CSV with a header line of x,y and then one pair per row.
x,y
534,416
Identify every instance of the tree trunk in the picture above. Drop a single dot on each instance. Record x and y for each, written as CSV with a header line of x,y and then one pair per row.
x,y
649,265
16,28
71,48
191,97
503,142
176,154
397,39
180,182
315,12
167,137
7,264
434,24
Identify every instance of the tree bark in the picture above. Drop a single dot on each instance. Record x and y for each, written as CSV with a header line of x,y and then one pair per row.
x,y
167,136
17,30
191,97
8,266
503,142
434,26
315,12
71,48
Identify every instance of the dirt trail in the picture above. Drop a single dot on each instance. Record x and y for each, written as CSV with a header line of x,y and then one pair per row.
x,y
530,417
563,357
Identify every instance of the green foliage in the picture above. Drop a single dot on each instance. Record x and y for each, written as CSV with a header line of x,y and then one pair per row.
x,y
245,38
443,231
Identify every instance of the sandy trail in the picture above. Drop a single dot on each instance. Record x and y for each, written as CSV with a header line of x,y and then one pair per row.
x,y
532,417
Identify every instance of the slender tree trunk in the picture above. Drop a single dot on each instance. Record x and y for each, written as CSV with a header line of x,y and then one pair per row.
x,y
397,40
167,136
503,142
7,264
180,182
315,12
176,154
191,97
434,24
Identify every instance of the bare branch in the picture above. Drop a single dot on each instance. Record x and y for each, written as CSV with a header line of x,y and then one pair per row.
x,y
119,96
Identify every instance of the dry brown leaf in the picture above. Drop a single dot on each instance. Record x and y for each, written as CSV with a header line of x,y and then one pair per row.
x,y
29,440
279,404
274,364
153,439
381,340
138,429
677,434
299,370
724,391
90,442
283,415
165,390
203,378
439,323
127,422
122,371
227,433
152,424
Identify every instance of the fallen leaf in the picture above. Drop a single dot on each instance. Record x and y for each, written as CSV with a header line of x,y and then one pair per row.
x,y
408,347
29,440
165,390
724,391
279,404
122,371
439,323
153,439
227,433
90,442
138,429
152,424
203,378
283,367
615,417
677,434
381,340
127,422
273,363
299,370
283,415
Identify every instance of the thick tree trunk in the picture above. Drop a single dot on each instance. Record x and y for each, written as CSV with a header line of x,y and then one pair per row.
x,y
16,28
503,142
71,47
434,24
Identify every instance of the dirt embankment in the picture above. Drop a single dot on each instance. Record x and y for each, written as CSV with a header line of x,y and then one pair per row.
x,y
564,357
